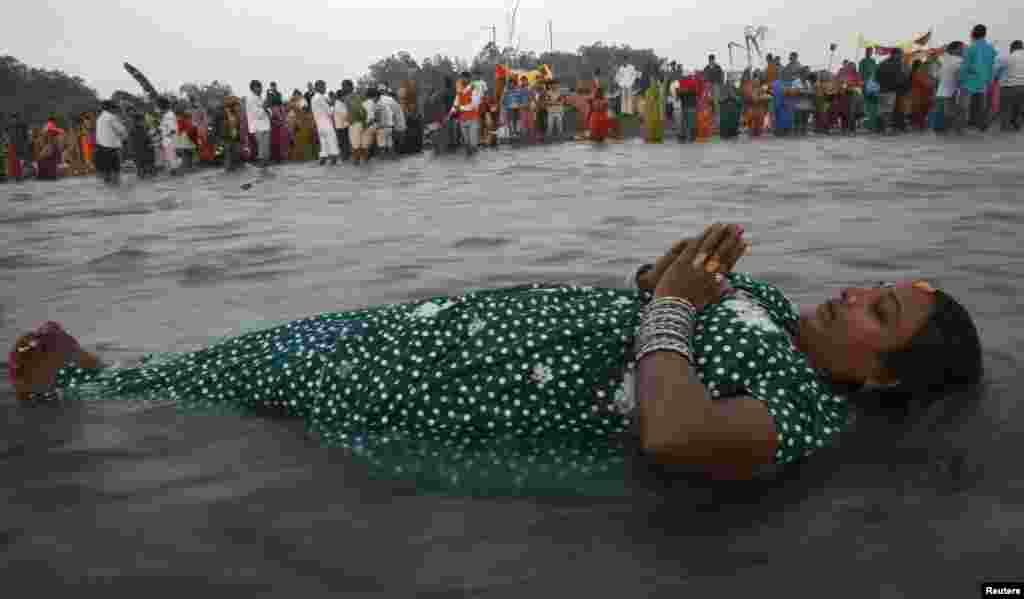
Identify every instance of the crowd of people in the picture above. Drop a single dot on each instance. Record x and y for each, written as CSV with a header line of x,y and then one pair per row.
x,y
947,89
944,90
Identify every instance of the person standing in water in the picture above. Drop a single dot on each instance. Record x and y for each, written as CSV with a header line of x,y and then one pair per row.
x,y
323,114
1013,88
19,149
110,135
259,122
715,77
168,137
396,115
556,111
467,110
142,146
976,76
341,120
512,106
948,94
280,135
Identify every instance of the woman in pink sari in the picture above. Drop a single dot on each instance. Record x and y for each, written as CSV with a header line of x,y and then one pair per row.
x,y
280,133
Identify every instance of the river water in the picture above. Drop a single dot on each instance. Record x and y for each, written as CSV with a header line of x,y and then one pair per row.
x,y
134,494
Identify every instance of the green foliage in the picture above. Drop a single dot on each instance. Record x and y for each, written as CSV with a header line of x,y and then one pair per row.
x,y
567,67
209,95
38,93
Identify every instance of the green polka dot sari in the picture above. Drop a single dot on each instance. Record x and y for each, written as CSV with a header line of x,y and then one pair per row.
x,y
523,390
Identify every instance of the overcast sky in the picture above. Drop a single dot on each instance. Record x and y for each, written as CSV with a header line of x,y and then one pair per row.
x,y
294,41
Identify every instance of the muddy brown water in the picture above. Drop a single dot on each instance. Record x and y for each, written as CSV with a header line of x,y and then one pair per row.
x,y
136,496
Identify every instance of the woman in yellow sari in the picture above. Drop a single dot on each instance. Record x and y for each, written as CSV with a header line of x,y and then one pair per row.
x,y
73,153
295,110
86,136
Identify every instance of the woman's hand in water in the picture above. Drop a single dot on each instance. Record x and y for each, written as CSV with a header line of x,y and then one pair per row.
x,y
694,274
649,280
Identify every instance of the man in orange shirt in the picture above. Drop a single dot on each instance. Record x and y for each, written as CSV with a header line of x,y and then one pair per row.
x,y
467,108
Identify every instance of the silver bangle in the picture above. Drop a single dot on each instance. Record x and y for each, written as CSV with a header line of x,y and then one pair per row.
x,y
672,300
678,348
651,333
671,310
665,342
667,325
673,315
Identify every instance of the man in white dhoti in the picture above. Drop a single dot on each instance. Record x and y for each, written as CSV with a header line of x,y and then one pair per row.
x,y
323,114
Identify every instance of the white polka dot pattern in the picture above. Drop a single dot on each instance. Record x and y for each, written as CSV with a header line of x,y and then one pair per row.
x,y
518,390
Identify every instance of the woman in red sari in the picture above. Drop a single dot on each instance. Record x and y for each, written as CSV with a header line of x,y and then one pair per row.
x,y
50,152
759,101
599,123
921,96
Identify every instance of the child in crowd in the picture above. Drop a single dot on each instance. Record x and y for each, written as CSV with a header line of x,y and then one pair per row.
x,y
555,104
142,146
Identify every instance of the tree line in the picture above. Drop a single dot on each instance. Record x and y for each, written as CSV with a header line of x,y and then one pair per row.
x,y
39,94
568,67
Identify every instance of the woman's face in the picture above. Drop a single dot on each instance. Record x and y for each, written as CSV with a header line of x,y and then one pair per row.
x,y
847,335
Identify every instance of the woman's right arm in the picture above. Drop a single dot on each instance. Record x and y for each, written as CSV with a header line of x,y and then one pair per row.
x,y
679,422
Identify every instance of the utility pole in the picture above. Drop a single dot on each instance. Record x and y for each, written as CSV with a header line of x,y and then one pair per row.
x,y
551,37
494,34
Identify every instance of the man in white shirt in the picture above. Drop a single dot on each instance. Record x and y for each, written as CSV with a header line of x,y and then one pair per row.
x,y
384,119
259,122
1011,87
110,133
953,102
323,114
397,120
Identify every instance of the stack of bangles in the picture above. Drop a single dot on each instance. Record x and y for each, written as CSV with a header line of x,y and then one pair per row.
x,y
667,325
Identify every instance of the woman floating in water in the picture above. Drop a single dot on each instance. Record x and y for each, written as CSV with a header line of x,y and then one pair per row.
x,y
538,389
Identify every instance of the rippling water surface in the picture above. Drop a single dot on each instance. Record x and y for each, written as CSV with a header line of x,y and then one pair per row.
x,y
170,265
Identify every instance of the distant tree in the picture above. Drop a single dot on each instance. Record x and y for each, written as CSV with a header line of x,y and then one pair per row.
x,y
209,95
39,93
393,69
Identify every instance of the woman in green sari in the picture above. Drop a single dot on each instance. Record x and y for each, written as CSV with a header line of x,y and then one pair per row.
x,y
654,112
552,388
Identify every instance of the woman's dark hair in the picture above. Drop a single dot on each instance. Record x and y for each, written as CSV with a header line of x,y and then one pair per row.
x,y
954,46
979,32
945,352
254,83
1017,45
